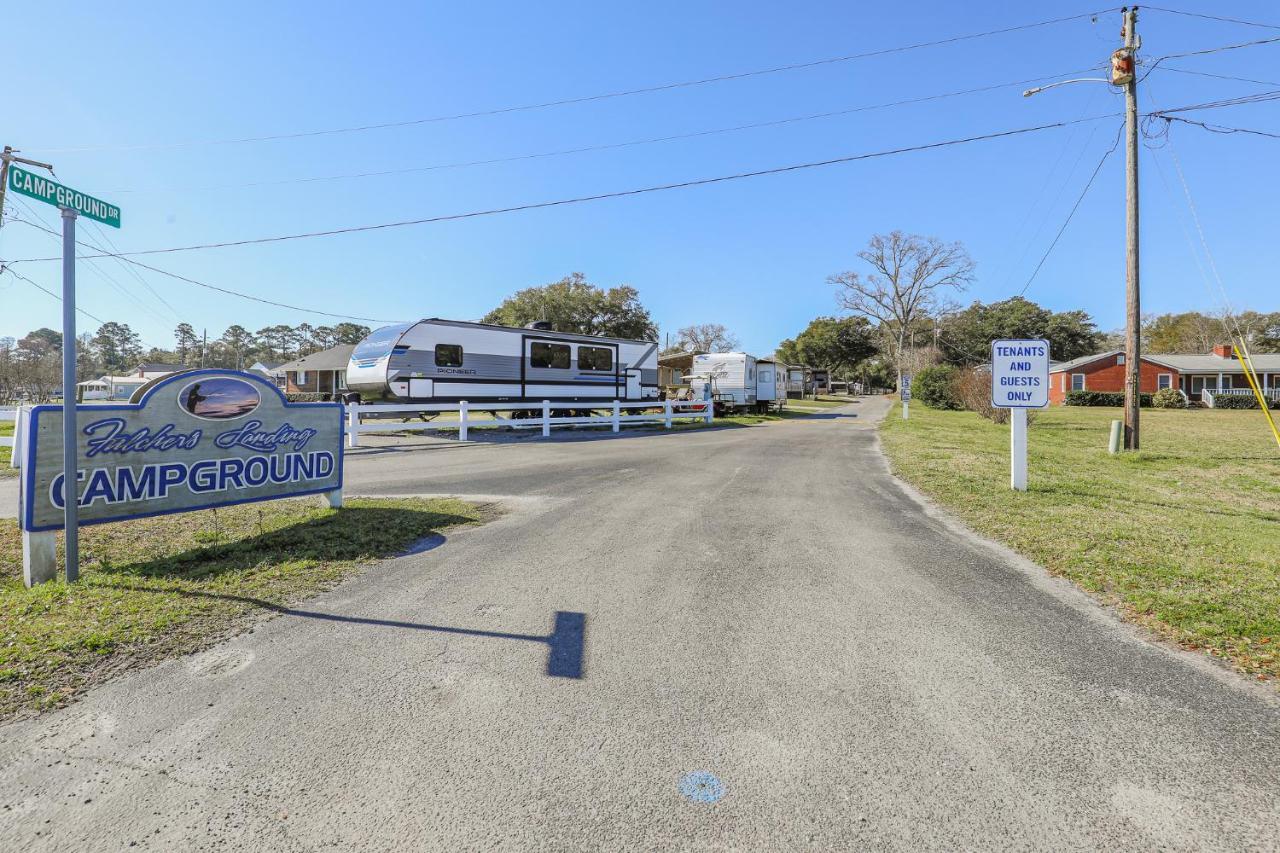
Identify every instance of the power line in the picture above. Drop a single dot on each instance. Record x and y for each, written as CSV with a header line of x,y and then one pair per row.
x,y
1212,17
599,97
6,268
1220,76
616,145
1221,129
1074,208
1258,98
215,287
1208,50
598,197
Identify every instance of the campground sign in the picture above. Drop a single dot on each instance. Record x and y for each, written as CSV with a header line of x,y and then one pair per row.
x,y
51,192
191,440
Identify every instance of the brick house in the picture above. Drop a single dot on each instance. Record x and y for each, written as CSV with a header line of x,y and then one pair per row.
x,y
323,372
1192,373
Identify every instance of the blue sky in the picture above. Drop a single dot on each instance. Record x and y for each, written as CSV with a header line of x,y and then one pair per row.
x,y
114,97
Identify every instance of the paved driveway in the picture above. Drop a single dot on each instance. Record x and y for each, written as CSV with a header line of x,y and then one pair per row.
x,y
731,639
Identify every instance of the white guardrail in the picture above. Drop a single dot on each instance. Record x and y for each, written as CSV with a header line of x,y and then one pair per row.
x,y
365,417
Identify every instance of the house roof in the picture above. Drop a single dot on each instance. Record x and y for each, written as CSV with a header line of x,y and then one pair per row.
x,y
1182,362
159,367
267,365
335,358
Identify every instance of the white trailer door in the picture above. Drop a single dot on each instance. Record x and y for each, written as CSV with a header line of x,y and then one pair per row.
x,y
634,391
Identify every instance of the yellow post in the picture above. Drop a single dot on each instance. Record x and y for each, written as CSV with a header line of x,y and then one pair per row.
x,y
1243,358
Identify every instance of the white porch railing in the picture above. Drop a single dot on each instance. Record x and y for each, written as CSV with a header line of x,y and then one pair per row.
x,y
360,422
1208,395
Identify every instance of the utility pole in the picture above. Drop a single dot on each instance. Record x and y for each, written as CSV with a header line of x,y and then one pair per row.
x,y
1127,58
7,157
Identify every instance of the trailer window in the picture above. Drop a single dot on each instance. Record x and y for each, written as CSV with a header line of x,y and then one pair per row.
x,y
549,355
448,355
595,358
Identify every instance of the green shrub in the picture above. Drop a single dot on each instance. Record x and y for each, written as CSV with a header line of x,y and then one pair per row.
x,y
1240,401
1169,398
935,386
309,397
1101,398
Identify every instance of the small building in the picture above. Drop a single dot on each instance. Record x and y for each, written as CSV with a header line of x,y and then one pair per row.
x,y
1199,376
269,369
323,372
156,369
114,388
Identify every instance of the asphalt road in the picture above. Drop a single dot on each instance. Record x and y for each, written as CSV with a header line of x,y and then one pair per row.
x,y
731,639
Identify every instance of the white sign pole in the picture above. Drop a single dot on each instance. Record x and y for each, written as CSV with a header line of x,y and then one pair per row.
x,y
1018,449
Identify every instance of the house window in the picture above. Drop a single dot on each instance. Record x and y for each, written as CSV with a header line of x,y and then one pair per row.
x,y
1120,359
1164,380
448,355
302,378
549,355
1077,382
595,358
340,380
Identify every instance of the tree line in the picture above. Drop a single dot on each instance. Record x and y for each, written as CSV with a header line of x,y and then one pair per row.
x,y
32,365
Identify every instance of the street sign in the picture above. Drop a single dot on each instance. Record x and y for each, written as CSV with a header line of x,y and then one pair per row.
x,y
52,192
906,388
1019,374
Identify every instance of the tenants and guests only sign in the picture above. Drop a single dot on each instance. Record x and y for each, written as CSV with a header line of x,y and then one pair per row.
x,y
1019,374
191,440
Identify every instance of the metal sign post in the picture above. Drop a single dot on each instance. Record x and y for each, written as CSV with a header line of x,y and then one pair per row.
x,y
1019,381
905,391
72,203
70,462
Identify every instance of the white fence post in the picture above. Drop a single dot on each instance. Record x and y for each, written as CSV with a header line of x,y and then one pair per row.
x,y
546,418
462,419
616,413
666,413
353,424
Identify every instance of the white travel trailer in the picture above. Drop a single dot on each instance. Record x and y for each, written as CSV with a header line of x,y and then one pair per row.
x,y
448,360
771,382
731,377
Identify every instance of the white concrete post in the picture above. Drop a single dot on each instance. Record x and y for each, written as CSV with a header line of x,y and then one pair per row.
x,y
39,557
546,418
1018,449
711,410
666,413
19,437
1114,442
353,424
906,408
462,419
616,412
332,499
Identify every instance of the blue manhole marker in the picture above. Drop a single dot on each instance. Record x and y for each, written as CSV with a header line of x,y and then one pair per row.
x,y
701,786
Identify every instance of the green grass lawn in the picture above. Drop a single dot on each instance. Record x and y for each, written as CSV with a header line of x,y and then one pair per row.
x,y
1183,536
160,587
6,428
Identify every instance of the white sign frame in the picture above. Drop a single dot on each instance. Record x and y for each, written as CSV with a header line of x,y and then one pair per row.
x,y
1038,368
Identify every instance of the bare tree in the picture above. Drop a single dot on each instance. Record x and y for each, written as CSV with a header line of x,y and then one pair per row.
x,y
911,278
706,337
